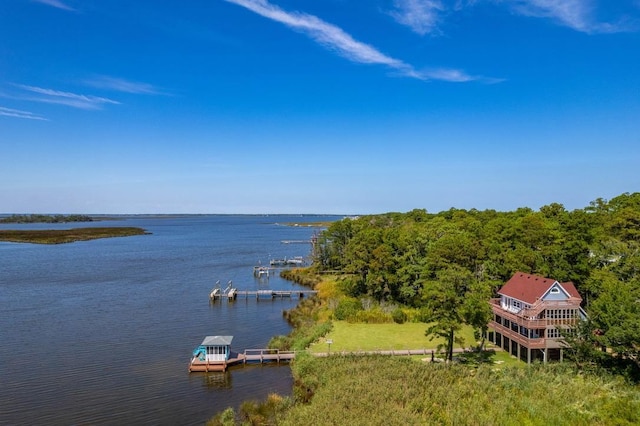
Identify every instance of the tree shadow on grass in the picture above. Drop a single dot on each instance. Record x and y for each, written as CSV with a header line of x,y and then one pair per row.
x,y
476,357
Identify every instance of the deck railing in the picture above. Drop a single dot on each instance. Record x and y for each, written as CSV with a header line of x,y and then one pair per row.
x,y
529,317
262,355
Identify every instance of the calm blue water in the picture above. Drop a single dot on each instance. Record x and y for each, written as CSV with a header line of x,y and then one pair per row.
x,y
101,332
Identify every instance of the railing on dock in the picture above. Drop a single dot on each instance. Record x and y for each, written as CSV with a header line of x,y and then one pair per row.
x,y
267,355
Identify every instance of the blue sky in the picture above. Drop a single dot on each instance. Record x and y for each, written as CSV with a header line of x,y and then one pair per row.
x,y
332,106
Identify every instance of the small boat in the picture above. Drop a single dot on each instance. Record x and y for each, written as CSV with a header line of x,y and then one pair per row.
x,y
261,271
215,291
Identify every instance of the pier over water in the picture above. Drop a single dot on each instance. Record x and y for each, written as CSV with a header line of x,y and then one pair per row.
x,y
234,294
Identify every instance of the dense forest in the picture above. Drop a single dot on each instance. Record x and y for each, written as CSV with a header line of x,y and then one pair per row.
x,y
450,263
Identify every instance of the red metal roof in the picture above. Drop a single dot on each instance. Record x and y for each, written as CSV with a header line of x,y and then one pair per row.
x,y
529,288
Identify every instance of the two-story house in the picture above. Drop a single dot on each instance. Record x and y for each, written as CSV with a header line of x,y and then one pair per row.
x,y
532,315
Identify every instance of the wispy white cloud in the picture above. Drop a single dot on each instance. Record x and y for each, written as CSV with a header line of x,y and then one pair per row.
x,y
322,32
122,85
336,39
64,98
56,3
453,76
422,16
9,112
426,16
576,14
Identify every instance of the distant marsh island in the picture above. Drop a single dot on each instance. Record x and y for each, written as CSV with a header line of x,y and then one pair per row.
x,y
45,218
51,236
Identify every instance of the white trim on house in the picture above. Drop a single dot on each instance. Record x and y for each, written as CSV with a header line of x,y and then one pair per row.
x,y
550,294
512,304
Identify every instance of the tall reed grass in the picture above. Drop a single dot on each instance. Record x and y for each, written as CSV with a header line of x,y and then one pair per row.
x,y
366,390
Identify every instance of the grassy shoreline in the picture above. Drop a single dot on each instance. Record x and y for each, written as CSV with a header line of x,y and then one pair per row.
x,y
374,389
62,236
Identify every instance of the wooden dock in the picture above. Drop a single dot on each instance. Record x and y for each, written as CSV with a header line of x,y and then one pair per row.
x,y
249,356
232,294
389,352
262,356
275,294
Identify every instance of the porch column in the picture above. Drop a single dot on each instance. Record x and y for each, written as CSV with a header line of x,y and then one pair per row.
x,y
528,355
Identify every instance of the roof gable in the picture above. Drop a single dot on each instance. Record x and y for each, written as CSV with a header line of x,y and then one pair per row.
x,y
570,288
556,292
217,341
530,288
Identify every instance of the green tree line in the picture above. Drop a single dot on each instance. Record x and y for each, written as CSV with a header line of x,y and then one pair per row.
x,y
452,262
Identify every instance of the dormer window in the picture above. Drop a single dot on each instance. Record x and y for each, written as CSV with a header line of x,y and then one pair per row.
x,y
555,290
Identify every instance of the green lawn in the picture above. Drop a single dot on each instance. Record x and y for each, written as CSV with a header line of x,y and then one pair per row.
x,y
368,337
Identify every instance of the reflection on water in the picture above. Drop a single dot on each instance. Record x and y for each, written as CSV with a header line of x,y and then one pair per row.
x,y
217,380
101,332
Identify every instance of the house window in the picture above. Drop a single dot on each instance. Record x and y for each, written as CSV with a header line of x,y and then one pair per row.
x,y
216,350
553,333
555,290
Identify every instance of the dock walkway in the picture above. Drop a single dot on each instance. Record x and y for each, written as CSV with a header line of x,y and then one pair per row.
x,y
392,352
249,356
233,294
262,356
275,293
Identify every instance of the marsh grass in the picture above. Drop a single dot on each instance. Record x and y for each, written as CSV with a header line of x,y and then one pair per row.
x,y
358,390
60,236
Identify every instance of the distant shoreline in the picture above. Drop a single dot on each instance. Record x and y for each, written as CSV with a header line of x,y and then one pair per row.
x,y
62,236
46,218
308,224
